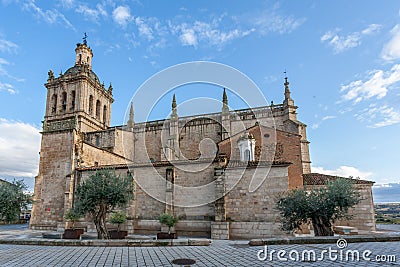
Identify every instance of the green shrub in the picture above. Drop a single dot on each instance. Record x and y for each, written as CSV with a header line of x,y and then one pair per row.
x,y
118,217
168,220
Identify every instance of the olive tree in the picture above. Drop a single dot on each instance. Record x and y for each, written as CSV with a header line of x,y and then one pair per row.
x,y
168,220
100,193
13,199
322,206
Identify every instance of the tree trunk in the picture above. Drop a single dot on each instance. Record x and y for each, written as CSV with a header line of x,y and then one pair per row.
x,y
100,222
322,227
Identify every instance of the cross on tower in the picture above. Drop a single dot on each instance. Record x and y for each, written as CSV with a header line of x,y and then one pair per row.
x,y
286,78
84,38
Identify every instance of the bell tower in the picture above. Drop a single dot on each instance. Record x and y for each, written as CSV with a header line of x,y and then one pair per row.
x,y
76,103
84,54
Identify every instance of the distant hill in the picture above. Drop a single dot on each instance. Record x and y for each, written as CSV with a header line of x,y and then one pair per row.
x,y
386,193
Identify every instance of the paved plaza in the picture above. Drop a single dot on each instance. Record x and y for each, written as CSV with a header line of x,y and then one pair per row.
x,y
220,253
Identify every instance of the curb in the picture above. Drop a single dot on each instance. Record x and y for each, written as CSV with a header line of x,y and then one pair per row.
x,y
324,240
108,243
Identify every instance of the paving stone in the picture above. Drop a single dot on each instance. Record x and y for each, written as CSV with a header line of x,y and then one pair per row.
x,y
219,253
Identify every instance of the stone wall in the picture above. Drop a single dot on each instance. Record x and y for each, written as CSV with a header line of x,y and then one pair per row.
x,y
116,140
150,198
52,182
95,156
254,212
271,145
363,214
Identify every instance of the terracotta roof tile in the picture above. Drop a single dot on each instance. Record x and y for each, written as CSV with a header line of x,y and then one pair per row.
x,y
323,179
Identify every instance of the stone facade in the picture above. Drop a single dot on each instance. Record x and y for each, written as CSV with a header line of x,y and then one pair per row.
x,y
187,166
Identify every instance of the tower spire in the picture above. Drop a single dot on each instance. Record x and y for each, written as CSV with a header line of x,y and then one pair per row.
x,y
131,121
225,107
287,89
174,114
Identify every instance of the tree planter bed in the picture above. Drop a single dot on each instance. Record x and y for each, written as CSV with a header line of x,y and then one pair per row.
x,y
72,233
114,234
167,236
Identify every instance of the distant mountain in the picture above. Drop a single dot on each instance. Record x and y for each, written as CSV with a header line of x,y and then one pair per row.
x,y
385,193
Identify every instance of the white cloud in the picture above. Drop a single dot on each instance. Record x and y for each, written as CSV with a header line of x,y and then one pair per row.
x,y
329,117
391,50
208,33
19,149
7,46
343,171
343,43
316,125
4,72
379,116
371,29
144,29
6,87
269,21
92,13
67,3
122,15
49,16
386,185
374,86
188,37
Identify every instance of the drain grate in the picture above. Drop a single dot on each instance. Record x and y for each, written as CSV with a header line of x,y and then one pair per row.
x,y
183,262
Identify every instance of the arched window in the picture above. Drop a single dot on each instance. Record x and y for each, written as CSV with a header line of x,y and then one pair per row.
x,y
54,103
64,101
80,58
73,100
246,145
98,109
91,105
105,114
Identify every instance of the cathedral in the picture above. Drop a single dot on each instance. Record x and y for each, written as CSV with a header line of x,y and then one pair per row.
x,y
218,173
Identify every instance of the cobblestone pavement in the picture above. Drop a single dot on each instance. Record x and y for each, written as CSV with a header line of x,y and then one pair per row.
x,y
220,253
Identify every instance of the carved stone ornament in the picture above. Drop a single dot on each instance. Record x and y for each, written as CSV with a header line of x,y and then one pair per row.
x,y
63,125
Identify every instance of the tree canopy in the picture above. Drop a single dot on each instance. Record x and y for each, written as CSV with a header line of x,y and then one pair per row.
x,y
12,200
320,205
169,220
100,193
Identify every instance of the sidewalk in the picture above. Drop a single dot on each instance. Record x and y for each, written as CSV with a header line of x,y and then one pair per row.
x,y
21,235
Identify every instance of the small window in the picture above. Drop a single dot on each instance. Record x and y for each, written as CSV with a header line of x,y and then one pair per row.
x,y
105,114
96,164
91,105
72,100
54,104
98,109
64,101
97,140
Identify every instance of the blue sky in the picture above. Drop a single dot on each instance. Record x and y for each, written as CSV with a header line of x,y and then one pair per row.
x,y
342,59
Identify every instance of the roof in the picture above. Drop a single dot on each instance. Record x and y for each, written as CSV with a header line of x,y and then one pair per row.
x,y
323,179
77,69
230,164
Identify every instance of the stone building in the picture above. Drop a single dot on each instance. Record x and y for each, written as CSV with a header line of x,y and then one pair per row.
x,y
219,173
